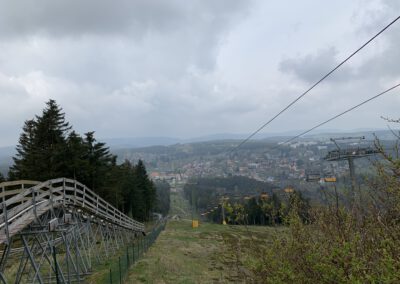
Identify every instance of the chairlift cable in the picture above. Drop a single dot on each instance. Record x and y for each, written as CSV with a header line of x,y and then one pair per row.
x,y
338,115
315,84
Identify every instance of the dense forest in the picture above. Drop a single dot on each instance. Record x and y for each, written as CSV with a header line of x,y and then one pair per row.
x,y
49,148
163,197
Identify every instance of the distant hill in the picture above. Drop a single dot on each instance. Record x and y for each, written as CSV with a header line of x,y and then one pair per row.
x,y
141,142
369,135
212,143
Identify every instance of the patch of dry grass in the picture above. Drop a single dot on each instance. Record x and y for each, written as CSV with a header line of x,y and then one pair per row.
x,y
203,255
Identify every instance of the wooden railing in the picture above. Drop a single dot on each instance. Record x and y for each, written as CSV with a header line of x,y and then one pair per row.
x,y
25,201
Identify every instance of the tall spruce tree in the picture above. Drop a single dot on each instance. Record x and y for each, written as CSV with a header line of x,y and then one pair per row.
x,y
145,190
127,189
163,201
117,180
100,162
76,163
151,198
24,161
42,146
138,191
50,142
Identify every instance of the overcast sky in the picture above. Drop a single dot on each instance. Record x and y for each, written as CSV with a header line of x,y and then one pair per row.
x,y
180,68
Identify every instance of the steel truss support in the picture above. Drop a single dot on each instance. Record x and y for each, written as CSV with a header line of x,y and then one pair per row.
x,y
60,253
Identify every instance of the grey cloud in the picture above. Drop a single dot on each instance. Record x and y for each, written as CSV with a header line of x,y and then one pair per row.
x,y
9,87
383,57
135,18
310,68
385,63
176,67
111,65
74,17
112,42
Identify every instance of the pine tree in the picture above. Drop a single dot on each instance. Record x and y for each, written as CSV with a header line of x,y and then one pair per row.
x,y
50,142
151,198
49,149
24,161
42,146
146,190
163,197
99,161
75,163
138,192
127,188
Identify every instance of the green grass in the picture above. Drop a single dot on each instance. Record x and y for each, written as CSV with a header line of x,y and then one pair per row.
x,y
203,255
208,254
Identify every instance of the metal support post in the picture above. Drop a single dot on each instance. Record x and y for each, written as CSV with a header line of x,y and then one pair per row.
x,y
6,222
32,260
56,264
352,177
120,272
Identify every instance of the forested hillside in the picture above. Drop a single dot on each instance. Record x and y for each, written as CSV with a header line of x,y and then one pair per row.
x,y
49,148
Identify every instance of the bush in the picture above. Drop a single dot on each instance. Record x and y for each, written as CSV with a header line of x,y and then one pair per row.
x,y
339,244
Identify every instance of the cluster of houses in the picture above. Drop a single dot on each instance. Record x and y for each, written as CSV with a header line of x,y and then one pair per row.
x,y
268,166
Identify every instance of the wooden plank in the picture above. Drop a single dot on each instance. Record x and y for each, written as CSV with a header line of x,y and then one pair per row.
x,y
65,195
10,192
19,182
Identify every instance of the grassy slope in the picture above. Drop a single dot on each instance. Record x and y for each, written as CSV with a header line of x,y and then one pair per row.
x,y
211,253
203,255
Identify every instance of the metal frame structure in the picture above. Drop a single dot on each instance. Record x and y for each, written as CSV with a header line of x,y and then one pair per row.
x,y
349,154
56,231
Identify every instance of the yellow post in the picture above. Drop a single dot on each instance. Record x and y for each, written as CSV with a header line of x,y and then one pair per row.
x,y
195,223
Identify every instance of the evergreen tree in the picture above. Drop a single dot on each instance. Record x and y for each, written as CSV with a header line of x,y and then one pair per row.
x,y
149,190
49,149
118,182
24,161
42,146
127,187
163,197
138,191
139,207
99,161
76,162
50,142
2,179
151,198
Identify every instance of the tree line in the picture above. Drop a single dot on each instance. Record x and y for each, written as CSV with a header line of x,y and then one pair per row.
x,y
49,148
266,211
241,200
